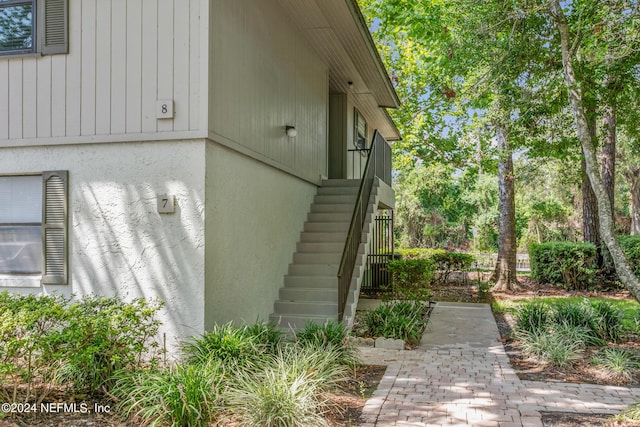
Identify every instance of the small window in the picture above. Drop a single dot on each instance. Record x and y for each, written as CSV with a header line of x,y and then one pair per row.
x,y
33,226
17,26
21,225
359,131
30,26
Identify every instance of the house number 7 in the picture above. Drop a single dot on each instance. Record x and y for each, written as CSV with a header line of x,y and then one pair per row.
x,y
166,203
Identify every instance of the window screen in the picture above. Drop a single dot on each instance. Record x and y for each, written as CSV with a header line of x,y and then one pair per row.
x,y
17,27
21,224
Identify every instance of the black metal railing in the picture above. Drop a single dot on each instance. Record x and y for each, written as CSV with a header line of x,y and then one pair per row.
x,y
358,158
379,280
374,167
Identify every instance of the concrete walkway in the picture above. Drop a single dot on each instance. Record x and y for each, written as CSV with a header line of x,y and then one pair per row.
x,y
460,376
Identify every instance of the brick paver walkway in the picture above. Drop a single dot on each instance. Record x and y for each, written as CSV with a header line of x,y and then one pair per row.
x,y
460,376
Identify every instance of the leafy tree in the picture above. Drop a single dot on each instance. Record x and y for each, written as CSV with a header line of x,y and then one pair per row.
x,y
568,43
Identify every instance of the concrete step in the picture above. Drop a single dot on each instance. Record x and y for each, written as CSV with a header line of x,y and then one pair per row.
x,y
320,247
313,269
335,198
329,216
332,207
337,191
290,321
341,183
317,236
316,258
327,227
311,282
307,308
309,294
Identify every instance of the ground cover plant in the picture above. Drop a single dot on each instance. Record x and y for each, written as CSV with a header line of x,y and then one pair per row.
x,y
98,349
404,320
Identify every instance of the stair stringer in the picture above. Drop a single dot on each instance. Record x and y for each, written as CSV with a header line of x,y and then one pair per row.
x,y
364,250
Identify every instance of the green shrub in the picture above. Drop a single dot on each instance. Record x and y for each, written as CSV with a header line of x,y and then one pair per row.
x,y
103,335
548,347
226,343
52,339
411,278
266,335
533,317
607,322
399,320
329,335
621,364
29,350
286,389
568,264
184,395
631,248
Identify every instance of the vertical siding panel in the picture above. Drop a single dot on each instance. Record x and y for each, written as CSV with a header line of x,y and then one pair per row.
x,y
134,66
103,67
74,69
149,64
4,100
15,98
58,95
44,97
118,65
181,73
165,57
30,100
195,28
88,66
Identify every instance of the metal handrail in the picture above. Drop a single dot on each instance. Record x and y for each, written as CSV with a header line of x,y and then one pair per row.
x,y
372,169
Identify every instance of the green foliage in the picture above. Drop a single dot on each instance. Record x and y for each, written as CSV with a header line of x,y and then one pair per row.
x,y
444,262
403,320
286,389
329,335
411,278
226,343
556,331
599,319
570,265
533,317
631,248
103,335
622,364
184,395
78,343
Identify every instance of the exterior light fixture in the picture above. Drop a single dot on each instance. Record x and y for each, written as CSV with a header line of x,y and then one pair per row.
x,y
291,131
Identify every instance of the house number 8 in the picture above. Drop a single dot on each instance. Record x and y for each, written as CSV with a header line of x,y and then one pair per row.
x,y
164,109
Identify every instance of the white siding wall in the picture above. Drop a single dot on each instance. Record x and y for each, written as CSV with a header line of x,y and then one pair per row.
x,y
124,55
265,76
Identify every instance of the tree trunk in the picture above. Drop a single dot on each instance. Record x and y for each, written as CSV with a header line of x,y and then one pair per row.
x,y
505,272
634,188
609,173
609,153
605,213
590,223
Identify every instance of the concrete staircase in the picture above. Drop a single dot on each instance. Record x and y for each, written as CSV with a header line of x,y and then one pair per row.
x,y
310,291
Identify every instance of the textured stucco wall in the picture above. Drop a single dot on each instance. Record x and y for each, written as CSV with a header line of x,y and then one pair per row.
x,y
254,216
119,243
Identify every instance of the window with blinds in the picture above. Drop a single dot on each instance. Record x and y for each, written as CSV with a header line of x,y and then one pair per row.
x,y
33,225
